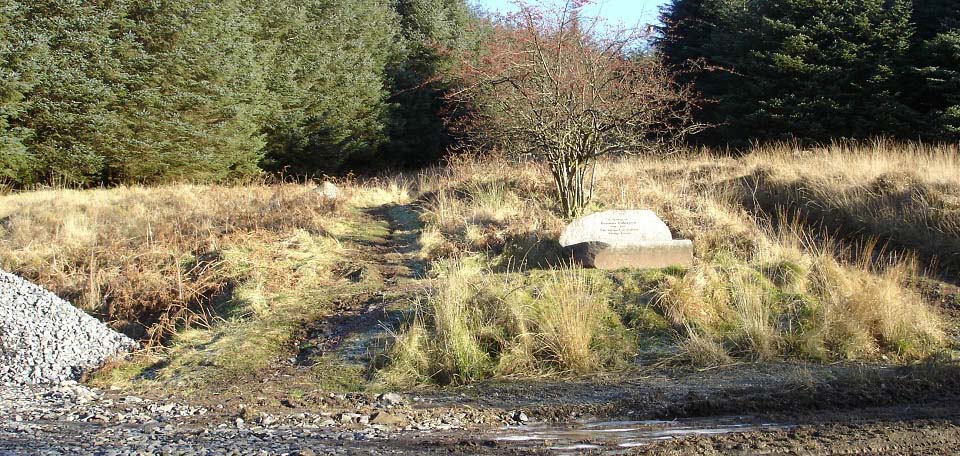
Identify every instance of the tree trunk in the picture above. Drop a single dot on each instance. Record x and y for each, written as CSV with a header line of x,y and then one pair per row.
x,y
568,176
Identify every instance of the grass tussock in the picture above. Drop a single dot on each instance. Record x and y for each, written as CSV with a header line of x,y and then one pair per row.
x,y
478,325
772,307
494,207
380,191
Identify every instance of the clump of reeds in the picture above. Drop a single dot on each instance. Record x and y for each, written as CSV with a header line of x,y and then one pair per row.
x,y
477,325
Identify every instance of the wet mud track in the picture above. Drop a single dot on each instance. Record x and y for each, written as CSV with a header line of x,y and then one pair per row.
x,y
745,409
730,435
922,437
750,409
357,317
358,320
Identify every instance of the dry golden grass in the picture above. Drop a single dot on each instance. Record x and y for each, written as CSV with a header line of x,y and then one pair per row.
x,y
860,164
698,349
760,289
279,281
227,275
379,191
223,277
472,206
904,194
842,312
149,260
754,288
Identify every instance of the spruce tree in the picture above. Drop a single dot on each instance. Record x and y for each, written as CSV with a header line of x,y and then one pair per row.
x,y
15,161
809,69
705,42
67,52
196,94
830,69
327,61
110,91
687,26
129,91
934,77
431,30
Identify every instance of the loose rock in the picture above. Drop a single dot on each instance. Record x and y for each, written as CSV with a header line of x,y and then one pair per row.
x,y
390,398
387,419
328,190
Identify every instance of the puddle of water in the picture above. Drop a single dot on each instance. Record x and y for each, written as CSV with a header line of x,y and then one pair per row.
x,y
614,437
607,424
516,438
359,347
580,446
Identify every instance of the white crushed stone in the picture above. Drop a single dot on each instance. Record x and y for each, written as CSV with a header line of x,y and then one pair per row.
x,y
46,340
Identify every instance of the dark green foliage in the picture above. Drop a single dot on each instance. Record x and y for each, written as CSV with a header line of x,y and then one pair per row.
x,y
934,77
359,83
102,92
327,63
933,17
688,25
195,94
138,91
828,69
810,69
707,42
15,162
431,30
60,116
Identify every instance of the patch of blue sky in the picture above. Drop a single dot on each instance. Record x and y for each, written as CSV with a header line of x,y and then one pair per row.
x,y
630,13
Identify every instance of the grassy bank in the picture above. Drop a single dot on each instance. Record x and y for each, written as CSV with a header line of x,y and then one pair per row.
x,y
227,281
760,289
150,260
219,282
905,195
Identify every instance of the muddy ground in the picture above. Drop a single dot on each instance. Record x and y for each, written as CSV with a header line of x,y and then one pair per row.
x,y
746,409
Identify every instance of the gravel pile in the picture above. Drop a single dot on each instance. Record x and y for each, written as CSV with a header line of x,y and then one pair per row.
x,y
44,339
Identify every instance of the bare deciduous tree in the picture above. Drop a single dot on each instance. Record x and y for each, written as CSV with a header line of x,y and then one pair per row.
x,y
552,86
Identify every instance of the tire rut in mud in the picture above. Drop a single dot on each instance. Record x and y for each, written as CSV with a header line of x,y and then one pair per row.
x,y
355,314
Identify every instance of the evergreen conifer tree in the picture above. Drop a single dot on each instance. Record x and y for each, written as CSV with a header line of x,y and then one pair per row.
x,y
327,72
67,51
431,30
809,69
196,94
934,77
15,161
110,91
